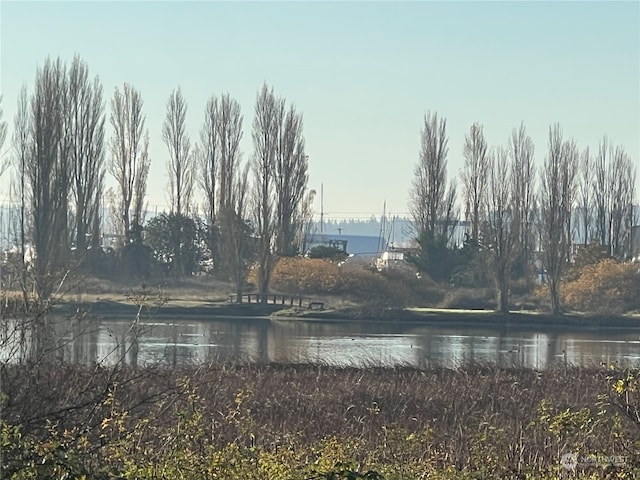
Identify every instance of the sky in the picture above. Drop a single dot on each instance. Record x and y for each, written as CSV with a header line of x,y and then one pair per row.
x,y
364,74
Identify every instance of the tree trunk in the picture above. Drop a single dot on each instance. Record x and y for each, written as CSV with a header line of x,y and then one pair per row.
x,y
503,298
555,297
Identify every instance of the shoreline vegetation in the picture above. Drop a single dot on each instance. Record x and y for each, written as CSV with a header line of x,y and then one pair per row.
x,y
599,295
177,308
312,421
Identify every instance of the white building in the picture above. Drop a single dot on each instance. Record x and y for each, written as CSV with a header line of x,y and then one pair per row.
x,y
390,259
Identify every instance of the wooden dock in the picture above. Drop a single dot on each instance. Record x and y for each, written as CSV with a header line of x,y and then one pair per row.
x,y
279,299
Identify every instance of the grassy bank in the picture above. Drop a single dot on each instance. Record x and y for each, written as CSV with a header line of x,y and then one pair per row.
x,y
347,293
312,421
173,309
199,309
464,317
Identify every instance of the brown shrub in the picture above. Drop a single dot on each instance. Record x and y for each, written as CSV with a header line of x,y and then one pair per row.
x,y
604,287
390,289
307,276
486,421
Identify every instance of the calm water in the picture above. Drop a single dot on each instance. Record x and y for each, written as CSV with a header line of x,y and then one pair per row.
x,y
172,342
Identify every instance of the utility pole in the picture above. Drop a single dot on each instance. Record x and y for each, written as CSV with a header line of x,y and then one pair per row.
x,y
321,208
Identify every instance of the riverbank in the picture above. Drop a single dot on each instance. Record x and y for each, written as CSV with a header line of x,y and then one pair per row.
x,y
202,310
465,317
174,309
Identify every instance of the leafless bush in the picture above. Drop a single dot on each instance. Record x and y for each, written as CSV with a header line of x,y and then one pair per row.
x,y
524,416
469,298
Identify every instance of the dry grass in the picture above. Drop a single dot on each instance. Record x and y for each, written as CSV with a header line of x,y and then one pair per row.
x,y
469,298
355,285
90,288
604,287
475,419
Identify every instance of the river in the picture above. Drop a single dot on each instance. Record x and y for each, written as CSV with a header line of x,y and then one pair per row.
x,y
243,340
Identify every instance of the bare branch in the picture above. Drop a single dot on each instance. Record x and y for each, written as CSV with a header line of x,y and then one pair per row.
x,y
557,197
47,171
208,154
523,177
501,230
474,176
129,163
85,126
585,187
180,164
265,135
431,204
291,179
4,157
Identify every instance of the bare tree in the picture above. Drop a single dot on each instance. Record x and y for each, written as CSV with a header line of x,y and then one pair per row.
x,y
4,158
229,129
614,194
129,162
236,244
617,187
501,229
431,203
208,153
523,177
180,164
291,178
621,189
47,171
474,176
632,216
22,151
85,120
601,193
557,195
585,187
219,155
265,136
140,184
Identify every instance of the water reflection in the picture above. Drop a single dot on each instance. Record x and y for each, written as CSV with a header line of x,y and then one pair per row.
x,y
177,342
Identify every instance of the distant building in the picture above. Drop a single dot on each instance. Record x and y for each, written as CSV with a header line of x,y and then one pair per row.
x,y
355,244
393,259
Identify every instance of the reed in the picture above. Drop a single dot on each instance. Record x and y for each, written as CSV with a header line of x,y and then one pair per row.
x,y
309,419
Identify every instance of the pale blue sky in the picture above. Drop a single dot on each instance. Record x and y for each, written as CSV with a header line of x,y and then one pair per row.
x,y
362,73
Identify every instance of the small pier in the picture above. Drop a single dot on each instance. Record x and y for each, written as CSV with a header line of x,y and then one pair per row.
x,y
279,299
